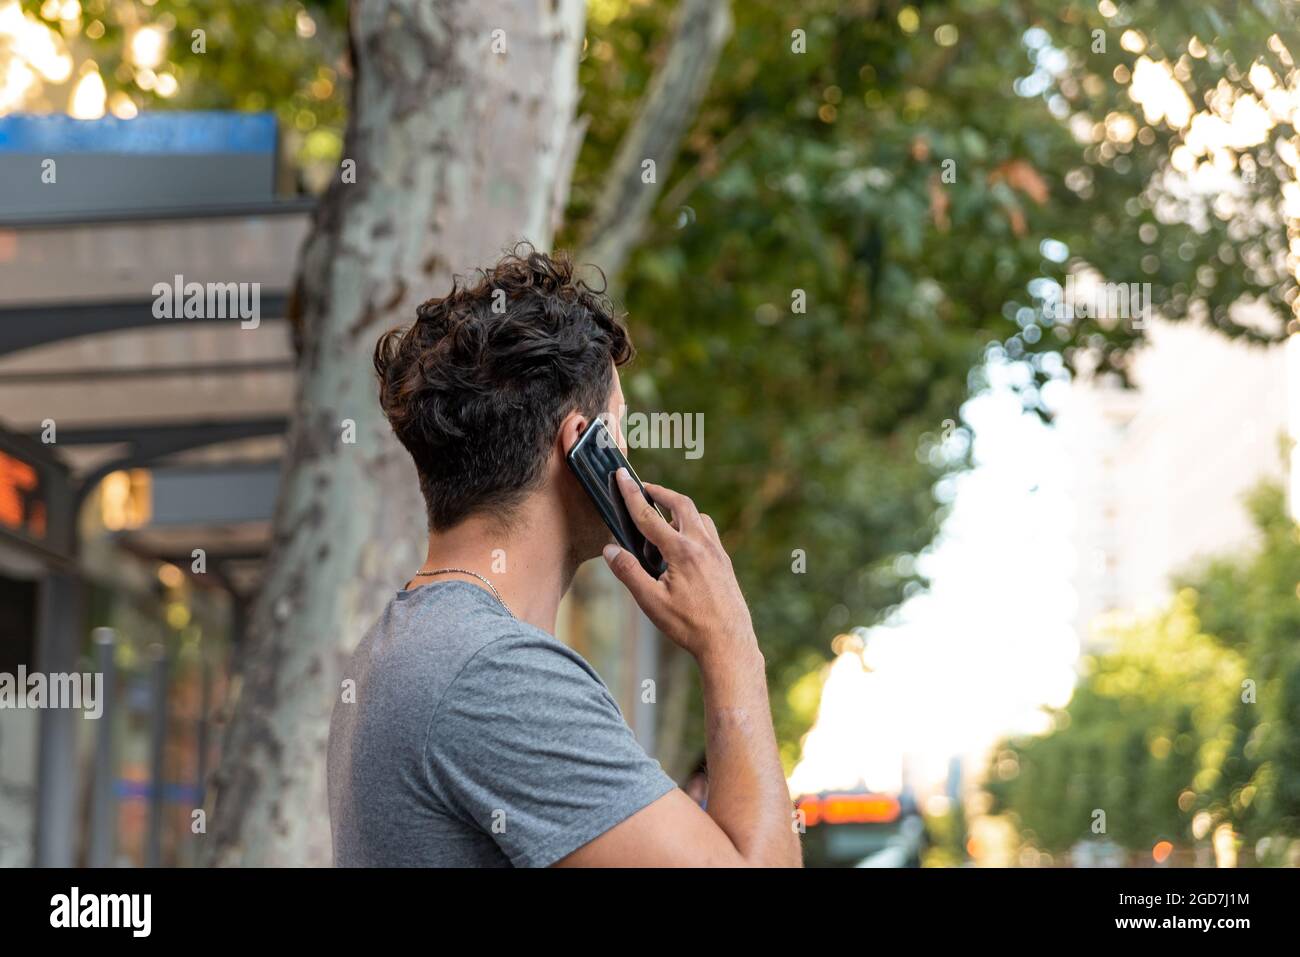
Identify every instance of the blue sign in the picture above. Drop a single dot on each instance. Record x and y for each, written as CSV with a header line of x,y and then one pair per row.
x,y
202,132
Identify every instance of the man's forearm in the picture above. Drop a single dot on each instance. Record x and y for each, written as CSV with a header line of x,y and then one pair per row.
x,y
748,796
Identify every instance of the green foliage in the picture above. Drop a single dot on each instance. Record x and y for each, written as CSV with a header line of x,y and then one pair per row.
x,y
1145,719
1254,602
1196,710
824,172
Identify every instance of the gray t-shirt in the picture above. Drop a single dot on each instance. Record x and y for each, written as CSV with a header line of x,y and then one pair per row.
x,y
476,740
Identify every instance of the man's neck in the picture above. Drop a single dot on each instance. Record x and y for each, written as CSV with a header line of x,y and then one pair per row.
x,y
530,568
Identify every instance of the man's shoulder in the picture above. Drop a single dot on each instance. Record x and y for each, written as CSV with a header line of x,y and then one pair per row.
x,y
524,673
516,654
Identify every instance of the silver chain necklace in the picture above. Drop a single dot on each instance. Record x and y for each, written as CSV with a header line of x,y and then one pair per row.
x,y
465,571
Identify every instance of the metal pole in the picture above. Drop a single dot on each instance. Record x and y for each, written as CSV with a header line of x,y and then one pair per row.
x,y
157,743
205,706
103,804
646,713
57,647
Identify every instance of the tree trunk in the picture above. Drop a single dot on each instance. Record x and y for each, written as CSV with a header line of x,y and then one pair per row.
x,y
459,150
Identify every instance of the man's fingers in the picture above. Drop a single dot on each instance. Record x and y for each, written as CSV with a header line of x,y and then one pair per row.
x,y
711,528
683,509
653,525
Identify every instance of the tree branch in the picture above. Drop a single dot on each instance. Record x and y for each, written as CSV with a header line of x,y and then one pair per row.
x,y
625,203
564,174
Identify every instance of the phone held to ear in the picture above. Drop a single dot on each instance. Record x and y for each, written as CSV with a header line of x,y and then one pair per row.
x,y
595,459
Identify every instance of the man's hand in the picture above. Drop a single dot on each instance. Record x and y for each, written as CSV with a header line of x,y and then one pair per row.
x,y
697,602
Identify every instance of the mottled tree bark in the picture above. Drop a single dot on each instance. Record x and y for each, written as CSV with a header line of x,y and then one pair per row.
x,y
459,150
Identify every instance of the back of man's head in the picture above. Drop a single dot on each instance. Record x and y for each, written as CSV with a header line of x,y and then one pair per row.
x,y
477,387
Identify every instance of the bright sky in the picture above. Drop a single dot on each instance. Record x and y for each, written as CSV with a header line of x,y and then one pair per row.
x,y
978,654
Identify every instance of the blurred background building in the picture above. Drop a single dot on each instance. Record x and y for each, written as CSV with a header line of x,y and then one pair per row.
x,y
1159,471
167,438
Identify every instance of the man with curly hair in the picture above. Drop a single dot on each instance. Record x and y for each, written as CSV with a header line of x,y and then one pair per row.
x,y
477,739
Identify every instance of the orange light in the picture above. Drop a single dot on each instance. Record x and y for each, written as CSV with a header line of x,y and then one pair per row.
x,y
1161,851
812,810
125,499
849,809
19,509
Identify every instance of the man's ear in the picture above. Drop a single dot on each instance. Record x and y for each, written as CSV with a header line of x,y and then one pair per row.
x,y
571,429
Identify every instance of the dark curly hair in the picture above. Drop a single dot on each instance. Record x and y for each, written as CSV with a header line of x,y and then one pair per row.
x,y
477,387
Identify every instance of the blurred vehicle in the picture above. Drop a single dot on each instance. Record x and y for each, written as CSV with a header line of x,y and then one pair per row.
x,y
861,828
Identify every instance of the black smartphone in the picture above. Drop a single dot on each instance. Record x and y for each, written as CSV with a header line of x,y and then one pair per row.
x,y
595,459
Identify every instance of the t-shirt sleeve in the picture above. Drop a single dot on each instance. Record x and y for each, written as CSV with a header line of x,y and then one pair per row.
x,y
529,746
